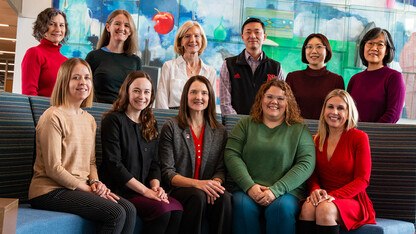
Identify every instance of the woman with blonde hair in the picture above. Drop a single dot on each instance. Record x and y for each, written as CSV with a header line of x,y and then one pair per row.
x,y
115,56
190,42
269,155
65,175
131,165
342,173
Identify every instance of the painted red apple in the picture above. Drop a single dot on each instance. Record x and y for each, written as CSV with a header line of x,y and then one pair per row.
x,y
164,22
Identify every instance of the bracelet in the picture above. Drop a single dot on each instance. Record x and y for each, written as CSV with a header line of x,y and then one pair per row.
x,y
94,181
218,179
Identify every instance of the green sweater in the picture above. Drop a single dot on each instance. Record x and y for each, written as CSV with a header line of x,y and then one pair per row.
x,y
281,158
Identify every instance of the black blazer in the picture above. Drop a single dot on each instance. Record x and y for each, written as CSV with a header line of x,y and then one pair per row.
x,y
126,154
177,152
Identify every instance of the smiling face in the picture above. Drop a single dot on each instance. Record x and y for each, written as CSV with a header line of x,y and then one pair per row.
x,y
374,52
192,40
119,28
336,113
140,92
253,36
315,53
79,84
56,30
198,96
274,104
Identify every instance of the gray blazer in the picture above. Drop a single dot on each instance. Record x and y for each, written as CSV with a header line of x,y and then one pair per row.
x,y
177,152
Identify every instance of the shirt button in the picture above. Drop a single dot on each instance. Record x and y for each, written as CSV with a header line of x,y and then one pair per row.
x,y
199,156
199,151
199,145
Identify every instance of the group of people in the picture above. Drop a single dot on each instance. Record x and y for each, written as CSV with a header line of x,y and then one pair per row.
x,y
286,181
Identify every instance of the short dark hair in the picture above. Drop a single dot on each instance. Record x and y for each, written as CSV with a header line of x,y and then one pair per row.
x,y
325,42
41,25
373,34
253,20
210,114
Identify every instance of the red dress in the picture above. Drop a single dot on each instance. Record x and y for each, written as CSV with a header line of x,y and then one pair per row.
x,y
346,176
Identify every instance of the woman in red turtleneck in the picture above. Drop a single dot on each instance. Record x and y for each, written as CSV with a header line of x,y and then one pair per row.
x,y
310,86
40,64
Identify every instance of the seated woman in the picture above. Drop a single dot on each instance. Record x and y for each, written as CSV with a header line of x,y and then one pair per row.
x,y
310,86
130,162
191,148
342,173
270,155
65,175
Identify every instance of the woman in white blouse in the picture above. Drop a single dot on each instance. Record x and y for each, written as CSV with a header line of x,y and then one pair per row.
x,y
190,42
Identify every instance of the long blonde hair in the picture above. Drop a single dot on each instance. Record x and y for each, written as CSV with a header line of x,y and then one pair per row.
x,y
60,90
351,122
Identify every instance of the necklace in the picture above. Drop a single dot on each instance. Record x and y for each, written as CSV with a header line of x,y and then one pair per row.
x,y
189,68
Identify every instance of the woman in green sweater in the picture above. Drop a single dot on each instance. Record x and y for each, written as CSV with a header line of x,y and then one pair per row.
x,y
270,155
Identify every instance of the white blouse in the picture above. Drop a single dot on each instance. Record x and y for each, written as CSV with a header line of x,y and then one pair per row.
x,y
174,77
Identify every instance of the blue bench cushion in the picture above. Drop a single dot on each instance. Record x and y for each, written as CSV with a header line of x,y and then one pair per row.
x,y
31,220
384,226
17,141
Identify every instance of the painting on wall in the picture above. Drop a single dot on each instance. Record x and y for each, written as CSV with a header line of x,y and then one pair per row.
x,y
288,23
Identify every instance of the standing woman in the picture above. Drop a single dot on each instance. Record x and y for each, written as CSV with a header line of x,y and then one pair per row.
x,y
269,155
191,148
130,160
65,175
310,86
379,91
190,42
115,56
342,172
40,64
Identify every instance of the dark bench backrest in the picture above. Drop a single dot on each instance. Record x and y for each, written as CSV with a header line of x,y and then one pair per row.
x,y
17,139
393,176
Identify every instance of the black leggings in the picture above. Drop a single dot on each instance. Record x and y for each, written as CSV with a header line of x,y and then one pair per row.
x,y
168,223
115,217
196,209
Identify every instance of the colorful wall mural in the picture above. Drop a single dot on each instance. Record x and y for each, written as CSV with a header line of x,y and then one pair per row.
x,y
288,23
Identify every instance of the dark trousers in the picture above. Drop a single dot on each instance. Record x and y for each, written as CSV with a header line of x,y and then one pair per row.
x,y
115,217
196,209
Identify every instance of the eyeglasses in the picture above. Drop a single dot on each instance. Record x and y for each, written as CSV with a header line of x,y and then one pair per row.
x,y
271,97
317,48
371,44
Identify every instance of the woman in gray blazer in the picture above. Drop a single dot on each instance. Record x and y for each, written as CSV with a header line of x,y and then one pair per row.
x,y
191,149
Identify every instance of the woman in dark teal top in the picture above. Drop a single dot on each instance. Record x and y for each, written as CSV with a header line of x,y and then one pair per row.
x,y
269,155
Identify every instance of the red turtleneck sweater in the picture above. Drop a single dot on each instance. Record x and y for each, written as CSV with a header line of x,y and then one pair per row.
x,y
40,67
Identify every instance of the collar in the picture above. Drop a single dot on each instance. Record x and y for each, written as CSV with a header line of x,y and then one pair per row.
x,y
49,43
249,57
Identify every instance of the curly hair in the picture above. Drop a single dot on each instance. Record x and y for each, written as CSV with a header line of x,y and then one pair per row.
x,y
41,25
131,45
147,118
292,112
210,114
351,122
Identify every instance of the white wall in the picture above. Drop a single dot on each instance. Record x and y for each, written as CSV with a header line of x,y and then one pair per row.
x,y
24,38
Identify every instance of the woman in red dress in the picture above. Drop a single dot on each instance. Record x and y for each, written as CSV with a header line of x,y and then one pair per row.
x,y
342,172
